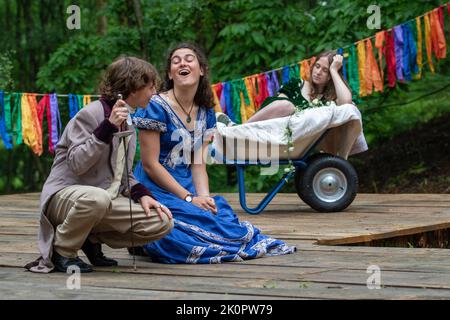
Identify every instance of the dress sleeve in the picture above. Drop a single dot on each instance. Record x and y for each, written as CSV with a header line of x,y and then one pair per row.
x,y
153,117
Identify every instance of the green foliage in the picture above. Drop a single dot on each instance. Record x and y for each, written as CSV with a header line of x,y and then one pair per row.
x,y
6,67
240,38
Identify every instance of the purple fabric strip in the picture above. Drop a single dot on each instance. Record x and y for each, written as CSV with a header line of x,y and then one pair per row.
x,y
56,121
275,80
269,84
398,44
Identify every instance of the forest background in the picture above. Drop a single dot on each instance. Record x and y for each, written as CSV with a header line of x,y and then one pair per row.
x,y
407,127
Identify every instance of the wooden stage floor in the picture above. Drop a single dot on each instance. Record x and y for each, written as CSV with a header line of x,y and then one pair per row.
x,y
324,267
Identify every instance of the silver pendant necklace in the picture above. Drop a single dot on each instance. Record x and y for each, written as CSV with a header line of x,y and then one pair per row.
x,y
188,115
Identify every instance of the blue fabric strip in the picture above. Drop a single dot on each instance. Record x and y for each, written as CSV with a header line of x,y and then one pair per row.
x,y
285,75
73,105
228,101
344,69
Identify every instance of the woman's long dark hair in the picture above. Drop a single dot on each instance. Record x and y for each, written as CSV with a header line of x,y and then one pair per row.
x,y
203,97
329,92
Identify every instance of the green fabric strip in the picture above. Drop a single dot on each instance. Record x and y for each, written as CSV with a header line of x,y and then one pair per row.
x,y
17,116
8,117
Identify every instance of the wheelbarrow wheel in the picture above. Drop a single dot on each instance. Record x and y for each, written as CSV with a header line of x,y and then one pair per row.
x,y
328,184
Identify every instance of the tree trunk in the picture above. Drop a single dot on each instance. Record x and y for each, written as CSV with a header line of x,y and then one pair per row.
x,y
19,55
102,22
142,40
31,72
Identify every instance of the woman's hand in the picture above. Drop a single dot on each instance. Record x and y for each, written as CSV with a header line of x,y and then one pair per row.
x,y
206,203
148,203
119,113
336,65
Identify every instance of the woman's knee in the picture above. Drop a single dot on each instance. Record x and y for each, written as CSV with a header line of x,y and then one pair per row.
x,y
285,108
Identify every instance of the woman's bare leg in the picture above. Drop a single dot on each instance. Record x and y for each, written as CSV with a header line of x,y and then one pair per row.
x,y
275,109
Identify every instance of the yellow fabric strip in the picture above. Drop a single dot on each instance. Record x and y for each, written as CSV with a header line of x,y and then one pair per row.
x,y
361,67
86,100
251,96
31,129
426,21
419,48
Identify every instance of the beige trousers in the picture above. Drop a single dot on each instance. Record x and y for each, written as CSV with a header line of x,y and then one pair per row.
x,y
78,212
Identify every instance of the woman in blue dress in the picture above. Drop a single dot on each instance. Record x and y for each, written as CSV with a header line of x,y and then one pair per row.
x,y
174,132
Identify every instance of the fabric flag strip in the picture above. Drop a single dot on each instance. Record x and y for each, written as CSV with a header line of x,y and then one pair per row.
x,y
398,43
73,105
353,76
305,69
31,130
269,81
390,59
361,68
344,68
262,90
380,39
419,47
285,75
437,35
275,80
406,53
428,44
86,100
217,107
373,77
44,107
7,141
17,116
250,93
236,101
56,122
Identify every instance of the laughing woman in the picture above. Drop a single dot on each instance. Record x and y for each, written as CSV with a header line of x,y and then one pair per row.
x,y
174,131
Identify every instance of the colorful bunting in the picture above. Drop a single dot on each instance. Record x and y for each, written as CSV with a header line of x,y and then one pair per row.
x,y
399,50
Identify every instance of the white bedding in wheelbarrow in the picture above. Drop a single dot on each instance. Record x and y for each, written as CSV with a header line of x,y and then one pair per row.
x,y
267,140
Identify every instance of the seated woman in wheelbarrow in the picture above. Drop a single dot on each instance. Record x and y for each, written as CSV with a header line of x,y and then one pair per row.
x,y
326,84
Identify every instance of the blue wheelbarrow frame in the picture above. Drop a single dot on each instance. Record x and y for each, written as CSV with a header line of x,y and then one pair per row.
x,y
241,165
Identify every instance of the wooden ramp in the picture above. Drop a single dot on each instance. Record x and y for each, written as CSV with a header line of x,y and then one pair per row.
x,y
318,270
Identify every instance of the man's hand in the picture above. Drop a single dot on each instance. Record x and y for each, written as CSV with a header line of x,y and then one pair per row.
x,y
119,113
148,203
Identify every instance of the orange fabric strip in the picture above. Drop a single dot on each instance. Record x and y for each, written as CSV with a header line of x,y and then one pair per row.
x,y
373,77
380,38
437,36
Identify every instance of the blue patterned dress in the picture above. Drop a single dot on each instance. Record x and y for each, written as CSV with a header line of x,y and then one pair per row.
x,y
199,236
